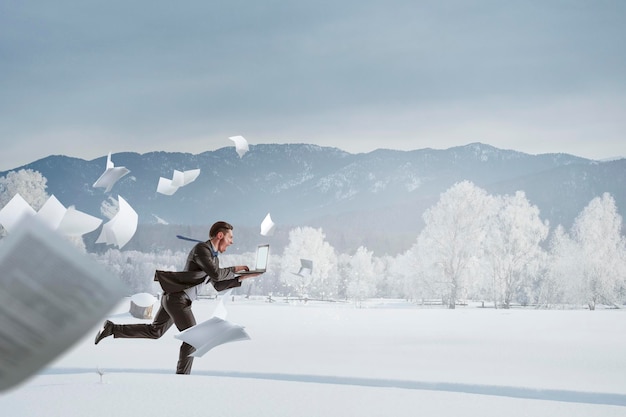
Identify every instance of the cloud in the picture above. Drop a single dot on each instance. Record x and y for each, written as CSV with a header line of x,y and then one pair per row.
x,y
144,74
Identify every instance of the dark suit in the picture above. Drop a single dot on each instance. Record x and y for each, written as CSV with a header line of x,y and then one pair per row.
x,y
202,262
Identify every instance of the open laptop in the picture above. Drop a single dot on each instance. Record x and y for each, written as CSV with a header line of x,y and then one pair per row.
x,y
262,255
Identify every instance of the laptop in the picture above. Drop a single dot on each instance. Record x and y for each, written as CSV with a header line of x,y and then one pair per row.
x,y
262,255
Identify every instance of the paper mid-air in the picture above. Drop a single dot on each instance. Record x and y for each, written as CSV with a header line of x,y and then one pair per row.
x,y
179,179
306,267
241,145
110,176
67,221
267,226
121,228
13,211
213,332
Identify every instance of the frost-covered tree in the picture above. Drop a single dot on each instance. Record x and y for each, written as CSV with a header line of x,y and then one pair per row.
x,y
362,275
450,245
136,269
390,282
30,184
601,255
109,207
513,253
555,286
410,281
343,274
310,243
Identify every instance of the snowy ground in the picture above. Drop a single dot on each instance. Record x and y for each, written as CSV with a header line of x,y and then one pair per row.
x,y
316,359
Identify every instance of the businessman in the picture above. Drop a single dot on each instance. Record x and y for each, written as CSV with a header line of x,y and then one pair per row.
x,y
180,289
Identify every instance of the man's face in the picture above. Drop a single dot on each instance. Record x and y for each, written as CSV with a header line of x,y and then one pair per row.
x,y
225,241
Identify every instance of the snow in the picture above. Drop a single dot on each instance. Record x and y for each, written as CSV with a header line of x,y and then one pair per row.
x,y
144,299
332,359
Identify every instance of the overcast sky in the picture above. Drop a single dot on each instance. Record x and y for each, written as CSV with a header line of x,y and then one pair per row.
x,y
82,78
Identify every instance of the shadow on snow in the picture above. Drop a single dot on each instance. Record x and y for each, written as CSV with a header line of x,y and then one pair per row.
x,y
494,390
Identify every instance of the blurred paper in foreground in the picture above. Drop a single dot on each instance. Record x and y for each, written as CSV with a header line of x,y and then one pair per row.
x,y
52,295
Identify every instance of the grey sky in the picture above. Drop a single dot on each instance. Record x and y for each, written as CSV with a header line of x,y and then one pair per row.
x,y
84,78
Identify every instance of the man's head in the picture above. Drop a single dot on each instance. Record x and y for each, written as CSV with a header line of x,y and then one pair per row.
x,y
221,234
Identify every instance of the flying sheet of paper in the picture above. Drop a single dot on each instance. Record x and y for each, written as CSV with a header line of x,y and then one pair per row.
x,y
211,333
77,223
267,226
110,176
52,295
53,214
182,178
220,310
241,145
306,267
67,221
165,186
179,179
121,228
13,211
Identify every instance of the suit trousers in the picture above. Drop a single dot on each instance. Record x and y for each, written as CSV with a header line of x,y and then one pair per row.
x,y
175,309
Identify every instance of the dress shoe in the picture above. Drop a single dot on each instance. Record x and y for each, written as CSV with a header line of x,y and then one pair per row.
x,y
106,331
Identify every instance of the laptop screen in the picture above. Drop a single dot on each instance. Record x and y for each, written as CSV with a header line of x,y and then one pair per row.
x,y
262,253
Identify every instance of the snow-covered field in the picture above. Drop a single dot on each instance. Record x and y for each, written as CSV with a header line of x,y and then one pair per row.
x,y
314,359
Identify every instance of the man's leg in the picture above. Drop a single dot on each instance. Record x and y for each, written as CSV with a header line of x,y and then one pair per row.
x,y
178,306
161,323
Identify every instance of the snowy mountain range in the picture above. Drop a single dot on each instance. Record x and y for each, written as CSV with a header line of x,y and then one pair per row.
x,y
374,199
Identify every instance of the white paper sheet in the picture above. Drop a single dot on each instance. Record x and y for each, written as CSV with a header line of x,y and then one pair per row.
x,y
51,296
220,309
77,223
121,228
179,179
241,145
13,211
267,226
110,176
213,332
306,267
53,214
165,186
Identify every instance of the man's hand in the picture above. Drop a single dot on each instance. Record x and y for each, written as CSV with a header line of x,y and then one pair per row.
x,y
244,268
242,277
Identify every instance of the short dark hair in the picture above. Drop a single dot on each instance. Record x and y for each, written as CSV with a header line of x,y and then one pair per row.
x,y
219,227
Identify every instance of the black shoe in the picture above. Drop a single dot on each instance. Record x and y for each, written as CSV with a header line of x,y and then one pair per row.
x,y
106,331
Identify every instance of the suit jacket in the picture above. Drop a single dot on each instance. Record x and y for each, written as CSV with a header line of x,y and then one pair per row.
x,y
201,262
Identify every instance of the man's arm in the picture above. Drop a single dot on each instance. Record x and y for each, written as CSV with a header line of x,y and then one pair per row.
x,y
210,264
